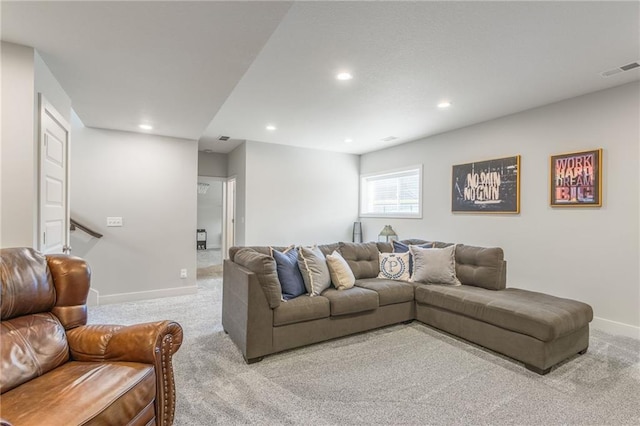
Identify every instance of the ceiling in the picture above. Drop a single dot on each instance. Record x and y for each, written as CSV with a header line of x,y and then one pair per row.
x,y
200,70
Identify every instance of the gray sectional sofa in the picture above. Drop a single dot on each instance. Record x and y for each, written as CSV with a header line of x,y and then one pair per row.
x,y
534,328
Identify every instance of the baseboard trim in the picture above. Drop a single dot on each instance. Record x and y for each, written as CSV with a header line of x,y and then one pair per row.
x,y
93,297
614,327
143,295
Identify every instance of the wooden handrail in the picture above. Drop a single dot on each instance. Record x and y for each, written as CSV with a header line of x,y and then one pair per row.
x,y
75,224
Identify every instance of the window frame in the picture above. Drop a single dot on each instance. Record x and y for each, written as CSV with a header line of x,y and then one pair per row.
x,y
380,174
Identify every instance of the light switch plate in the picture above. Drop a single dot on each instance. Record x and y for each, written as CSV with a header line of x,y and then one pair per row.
x,y
114,221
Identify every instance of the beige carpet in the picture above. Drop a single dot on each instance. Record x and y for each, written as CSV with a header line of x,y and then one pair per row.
x,y
403,374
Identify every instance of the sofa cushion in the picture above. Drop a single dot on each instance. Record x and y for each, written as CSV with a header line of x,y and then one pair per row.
x,y
260,249
327,249
434,265
26,283
82,392
31,346
264,266
394,266
314,269
362,259
341,275
302,308
481,267
389,291
289,274
537,315
351,301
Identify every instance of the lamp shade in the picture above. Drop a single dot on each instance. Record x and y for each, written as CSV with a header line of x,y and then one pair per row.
x,y
387,234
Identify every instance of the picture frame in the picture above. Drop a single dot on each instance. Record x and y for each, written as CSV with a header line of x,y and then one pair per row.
x,y
489,186
575,179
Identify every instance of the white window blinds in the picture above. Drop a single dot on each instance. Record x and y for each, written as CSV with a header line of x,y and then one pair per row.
x,y
395,193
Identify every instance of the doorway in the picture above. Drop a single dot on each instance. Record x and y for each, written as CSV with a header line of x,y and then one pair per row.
x,y
209,235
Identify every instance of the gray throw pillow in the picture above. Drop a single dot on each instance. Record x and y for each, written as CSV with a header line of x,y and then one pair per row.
x,y
315,271
434,265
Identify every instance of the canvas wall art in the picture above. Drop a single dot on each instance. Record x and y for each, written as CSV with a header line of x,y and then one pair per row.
x,y
576,179
490,186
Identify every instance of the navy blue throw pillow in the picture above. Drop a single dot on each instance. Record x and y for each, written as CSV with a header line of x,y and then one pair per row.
x,y
400,247
289,274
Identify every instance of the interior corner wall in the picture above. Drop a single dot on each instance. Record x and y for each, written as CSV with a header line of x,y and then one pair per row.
x,y
151,182
299,196
18,154
588,254
24,75
46,83
237,168
212,164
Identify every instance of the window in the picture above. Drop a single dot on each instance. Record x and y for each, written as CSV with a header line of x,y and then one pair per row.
x,y
394,193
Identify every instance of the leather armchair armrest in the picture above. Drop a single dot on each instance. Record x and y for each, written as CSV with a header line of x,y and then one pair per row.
x,y
134,343
150,343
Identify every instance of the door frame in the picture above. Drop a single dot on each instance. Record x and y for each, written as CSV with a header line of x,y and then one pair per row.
x,y
46,108
228,215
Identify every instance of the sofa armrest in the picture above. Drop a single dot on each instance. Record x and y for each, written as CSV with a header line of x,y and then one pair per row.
x,y
246,315
133,343
150,343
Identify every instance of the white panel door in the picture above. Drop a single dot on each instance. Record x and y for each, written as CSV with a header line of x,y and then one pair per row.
x,y
54,174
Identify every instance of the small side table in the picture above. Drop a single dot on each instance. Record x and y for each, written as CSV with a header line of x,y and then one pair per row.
x,y
201,239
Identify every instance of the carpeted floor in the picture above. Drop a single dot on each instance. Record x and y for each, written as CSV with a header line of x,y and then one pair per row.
x,y
403,374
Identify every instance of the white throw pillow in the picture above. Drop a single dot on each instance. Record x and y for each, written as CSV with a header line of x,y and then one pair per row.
x,y
314,269
434,265
394,266
341,275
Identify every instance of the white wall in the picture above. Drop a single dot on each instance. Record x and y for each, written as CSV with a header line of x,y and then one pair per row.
x,y
212,164
46,83
238,169
18,150
298,195
210,211
151,182
24,75
589,254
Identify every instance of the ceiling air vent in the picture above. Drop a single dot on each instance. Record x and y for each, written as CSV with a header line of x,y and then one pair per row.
x,y
389,139
223,138
623,68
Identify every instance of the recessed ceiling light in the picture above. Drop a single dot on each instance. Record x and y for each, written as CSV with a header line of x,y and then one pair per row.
x,y
445,104
271,127
145,126
348,140
344,76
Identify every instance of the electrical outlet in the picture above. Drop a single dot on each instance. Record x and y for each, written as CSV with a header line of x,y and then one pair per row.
x,y
183,273
114,221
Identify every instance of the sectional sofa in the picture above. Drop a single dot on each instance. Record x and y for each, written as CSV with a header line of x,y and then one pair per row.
x,y
536,329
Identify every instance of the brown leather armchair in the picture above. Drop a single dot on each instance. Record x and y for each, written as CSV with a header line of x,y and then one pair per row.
x,y
56,370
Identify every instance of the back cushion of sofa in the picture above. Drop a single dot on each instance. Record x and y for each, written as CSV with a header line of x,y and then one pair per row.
x,y
362,259
264,266
31,346
480,266
27,287
327,249
260,249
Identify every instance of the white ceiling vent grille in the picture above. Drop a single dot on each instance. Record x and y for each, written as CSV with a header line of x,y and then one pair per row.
x,y
623,68
223,138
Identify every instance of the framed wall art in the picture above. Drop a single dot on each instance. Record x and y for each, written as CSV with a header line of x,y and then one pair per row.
x,y
491,186
576,179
